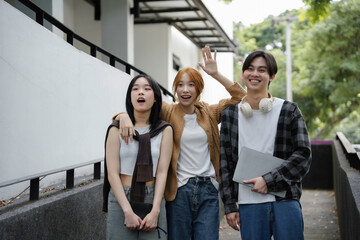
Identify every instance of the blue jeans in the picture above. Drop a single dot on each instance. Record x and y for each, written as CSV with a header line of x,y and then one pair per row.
x,y
194,214
281,219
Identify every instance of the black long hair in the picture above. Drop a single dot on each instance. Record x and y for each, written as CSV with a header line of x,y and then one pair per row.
x,y
156,108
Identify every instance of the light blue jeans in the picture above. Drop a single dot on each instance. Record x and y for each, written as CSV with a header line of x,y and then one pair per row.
x,y
194,214
115,228
282,219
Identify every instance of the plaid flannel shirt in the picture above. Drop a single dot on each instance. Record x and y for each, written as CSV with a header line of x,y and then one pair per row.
x,y
291,144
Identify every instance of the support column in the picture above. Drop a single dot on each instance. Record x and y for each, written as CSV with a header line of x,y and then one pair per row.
x,y
153,52
118,28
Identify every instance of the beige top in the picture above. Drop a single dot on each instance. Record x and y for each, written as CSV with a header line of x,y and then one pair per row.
x,y
208,117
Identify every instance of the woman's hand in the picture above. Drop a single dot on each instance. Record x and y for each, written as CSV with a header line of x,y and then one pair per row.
x,y
210,65
150,222
126,128
132,221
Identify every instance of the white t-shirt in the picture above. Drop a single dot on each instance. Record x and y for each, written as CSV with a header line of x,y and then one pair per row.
x,y
258,132
194,158
129,152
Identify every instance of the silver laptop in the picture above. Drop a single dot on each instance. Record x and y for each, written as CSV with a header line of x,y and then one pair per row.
x,y
252,164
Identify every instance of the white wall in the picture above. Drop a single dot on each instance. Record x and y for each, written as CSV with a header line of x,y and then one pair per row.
x,y
117,28
187,51
55,101
213,90
58,13
152,50
68,14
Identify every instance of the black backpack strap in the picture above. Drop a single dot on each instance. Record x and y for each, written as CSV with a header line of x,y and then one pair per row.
x,y
106,186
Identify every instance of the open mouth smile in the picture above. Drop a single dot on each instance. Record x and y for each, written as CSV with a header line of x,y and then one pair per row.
x,y
185,97
254,81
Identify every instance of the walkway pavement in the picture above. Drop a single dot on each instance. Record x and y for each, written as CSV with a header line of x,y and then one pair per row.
x,y
320,217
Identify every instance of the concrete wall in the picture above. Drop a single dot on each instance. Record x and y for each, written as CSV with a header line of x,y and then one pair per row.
x,y
118,28
55,100
73,214
81,15
347,194
155,45
46,5
152,50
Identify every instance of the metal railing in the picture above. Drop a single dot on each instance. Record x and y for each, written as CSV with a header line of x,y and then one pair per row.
x,y
70,177
349,150
41,15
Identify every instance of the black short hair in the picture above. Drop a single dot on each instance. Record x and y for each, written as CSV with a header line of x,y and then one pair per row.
x,y
269,59
156,108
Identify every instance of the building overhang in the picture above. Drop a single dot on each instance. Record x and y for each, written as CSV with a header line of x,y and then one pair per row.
x,y
190,17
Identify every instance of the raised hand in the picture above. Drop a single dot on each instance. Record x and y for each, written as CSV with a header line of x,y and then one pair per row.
x,y
209,65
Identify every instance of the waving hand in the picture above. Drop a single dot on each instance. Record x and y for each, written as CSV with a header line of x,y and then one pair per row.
x,y
209,65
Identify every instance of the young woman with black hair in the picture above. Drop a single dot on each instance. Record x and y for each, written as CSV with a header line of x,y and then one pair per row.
x,y
137,171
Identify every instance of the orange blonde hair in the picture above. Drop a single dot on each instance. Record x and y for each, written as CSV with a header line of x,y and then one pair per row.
x,y
194,76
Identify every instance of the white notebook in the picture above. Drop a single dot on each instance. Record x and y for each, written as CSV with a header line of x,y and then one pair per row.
x,y
252,164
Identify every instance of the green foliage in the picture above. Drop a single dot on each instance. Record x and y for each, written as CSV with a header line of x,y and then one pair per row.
x,y
330,60
350,127
325,64
278,86
318,9
226,1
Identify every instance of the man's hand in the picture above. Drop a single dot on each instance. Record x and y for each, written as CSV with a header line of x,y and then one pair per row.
x,y
233,219
259,185
126,128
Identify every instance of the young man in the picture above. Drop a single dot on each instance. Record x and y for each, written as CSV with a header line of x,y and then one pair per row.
x,y
272,126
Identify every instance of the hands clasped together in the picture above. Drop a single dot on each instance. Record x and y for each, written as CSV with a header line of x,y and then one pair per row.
x,y
134,222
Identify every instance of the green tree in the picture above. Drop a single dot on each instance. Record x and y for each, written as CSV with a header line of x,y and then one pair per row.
x,y
268,35
326,72
329,72
318,9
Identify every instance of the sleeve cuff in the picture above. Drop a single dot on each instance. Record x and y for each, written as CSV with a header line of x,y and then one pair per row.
x,y
114,117
236,90
229,208
269,182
